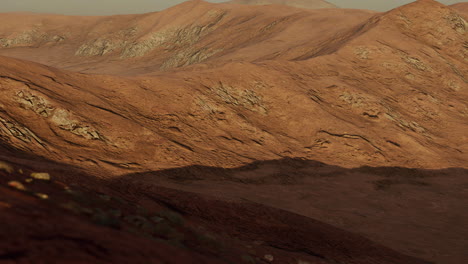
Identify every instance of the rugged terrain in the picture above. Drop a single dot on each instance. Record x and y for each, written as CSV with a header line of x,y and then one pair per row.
x,y
358,119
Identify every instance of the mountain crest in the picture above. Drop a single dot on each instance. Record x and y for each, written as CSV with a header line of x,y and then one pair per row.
x,y
307,4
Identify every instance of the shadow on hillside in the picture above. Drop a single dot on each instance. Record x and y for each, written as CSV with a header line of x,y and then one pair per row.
x,y
289,171
251,221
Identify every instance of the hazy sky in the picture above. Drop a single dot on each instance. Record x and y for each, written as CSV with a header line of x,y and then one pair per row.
x,y
106,7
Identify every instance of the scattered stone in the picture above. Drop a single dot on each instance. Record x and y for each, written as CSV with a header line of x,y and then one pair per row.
x,y
28,180
269,258
43,176
20,171
6,167
42,196
17,185
63,185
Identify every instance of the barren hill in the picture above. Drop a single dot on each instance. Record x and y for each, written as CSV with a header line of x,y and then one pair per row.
x,y
188,97
461,7
205,33
381,92
309,4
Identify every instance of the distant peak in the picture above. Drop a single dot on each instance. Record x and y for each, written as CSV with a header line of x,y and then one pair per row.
x,y
307,4
420,3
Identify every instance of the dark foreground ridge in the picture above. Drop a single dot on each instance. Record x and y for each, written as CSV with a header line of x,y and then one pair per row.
x,y
53,218
173,137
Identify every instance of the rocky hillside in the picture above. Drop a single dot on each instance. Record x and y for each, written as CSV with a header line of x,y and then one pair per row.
x,y
361,97
200,93
205,33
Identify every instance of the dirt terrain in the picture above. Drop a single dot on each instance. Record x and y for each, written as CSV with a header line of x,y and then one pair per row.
x,y
357,119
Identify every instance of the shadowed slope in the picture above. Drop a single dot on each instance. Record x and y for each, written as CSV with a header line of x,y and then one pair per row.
x,y
101,221
415,211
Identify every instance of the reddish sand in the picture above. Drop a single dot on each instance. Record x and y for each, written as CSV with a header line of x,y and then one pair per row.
x,y
216,99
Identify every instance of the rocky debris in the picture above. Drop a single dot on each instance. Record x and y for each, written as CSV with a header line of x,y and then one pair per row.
x,y
247,98
143,47
99,47
12,129
188,57
64,120
61,117
362,52
113,42
5,166
457,22
164,38
413,126
128,44
29,38
42,196
269,258
43,176
417,63
21,40
36,103
17,185
173,38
